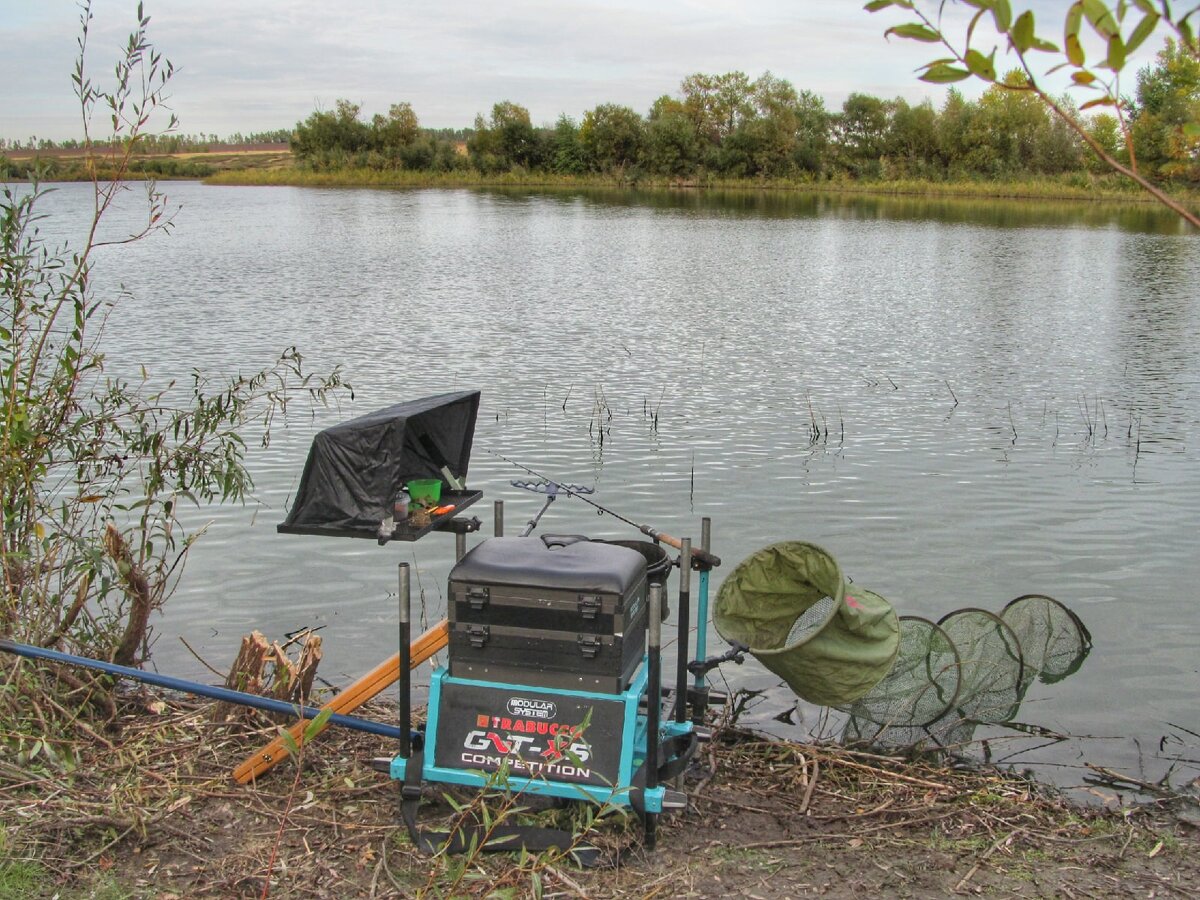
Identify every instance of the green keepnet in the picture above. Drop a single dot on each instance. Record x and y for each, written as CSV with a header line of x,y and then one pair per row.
x,y
790,604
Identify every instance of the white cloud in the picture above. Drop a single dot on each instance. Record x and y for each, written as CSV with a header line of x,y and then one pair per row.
x,y
248,66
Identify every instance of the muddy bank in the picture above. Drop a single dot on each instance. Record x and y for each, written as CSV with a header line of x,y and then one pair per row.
x,y
150,811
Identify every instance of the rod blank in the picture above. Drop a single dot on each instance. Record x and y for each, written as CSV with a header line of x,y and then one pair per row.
x,y
202,690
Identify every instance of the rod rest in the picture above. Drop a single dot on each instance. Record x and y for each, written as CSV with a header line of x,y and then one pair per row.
x,y
737,653
460,525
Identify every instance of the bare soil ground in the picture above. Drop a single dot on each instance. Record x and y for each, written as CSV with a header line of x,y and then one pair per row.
x,y
151,812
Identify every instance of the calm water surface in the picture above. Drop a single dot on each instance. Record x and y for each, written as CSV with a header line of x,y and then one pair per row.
x,y
1008,399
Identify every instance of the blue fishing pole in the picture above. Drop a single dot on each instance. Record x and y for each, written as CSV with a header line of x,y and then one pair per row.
x,y
203,690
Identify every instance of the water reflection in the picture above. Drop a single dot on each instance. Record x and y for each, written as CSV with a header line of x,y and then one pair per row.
x,y
1126,216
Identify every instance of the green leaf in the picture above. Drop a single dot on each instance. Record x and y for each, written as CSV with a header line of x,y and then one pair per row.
x,y
1075,50
914,31
317,725
877,5
1116,54
1071,26
1186,35
289,742
983,66
1083,76
944,74
1191,130
1022,32
1144,29
1002,13
1099,101
1101,19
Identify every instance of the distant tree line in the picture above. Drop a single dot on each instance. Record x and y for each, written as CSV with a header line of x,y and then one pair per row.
x,y
730,126
153,158
156,143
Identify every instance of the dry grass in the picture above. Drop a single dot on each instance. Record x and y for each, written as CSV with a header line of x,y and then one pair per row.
x,y
158,816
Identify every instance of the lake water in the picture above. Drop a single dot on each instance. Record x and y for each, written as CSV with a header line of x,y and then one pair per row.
x,y
1008,396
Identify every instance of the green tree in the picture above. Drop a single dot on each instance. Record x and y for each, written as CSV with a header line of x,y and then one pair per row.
x,y
812,133
486,148
954,124
1120,30
1105,131
505,140
1058,148
566,155
912,139
611,137
1005,130
671,147
1166,127
397,129
765,143
330,136
717,104
861,131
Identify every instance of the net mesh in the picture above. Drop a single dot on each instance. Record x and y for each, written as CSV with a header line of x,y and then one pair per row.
x,y
971,668
921,686
1053,639
810,621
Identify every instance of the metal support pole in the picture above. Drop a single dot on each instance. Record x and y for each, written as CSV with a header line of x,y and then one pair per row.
x,y
405,663
653,708
681,646
460,546
701,692
498,527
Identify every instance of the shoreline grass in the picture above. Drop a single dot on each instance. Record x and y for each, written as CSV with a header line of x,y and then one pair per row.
x,y
1074,188
261,169
154,814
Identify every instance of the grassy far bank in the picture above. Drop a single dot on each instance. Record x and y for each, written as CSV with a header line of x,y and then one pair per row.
x,y
75,165
275,165
1072,187
150,811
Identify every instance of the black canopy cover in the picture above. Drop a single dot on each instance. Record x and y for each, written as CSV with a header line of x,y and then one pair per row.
x,y
355,469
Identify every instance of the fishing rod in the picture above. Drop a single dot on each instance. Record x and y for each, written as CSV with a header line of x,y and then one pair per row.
x,y
193,687
551,490
702,555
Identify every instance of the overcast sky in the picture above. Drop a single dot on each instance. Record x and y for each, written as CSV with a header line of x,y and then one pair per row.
x,y
256,65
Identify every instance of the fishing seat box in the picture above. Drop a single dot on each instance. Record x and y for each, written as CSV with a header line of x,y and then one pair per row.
x,y
558,613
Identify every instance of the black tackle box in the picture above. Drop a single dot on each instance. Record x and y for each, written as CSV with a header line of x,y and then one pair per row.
x,y
564,613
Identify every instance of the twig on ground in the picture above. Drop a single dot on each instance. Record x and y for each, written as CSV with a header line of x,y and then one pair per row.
x,y
958,888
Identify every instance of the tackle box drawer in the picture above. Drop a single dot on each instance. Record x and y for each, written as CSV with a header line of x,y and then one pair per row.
x,y
560,612
540,583
556,659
